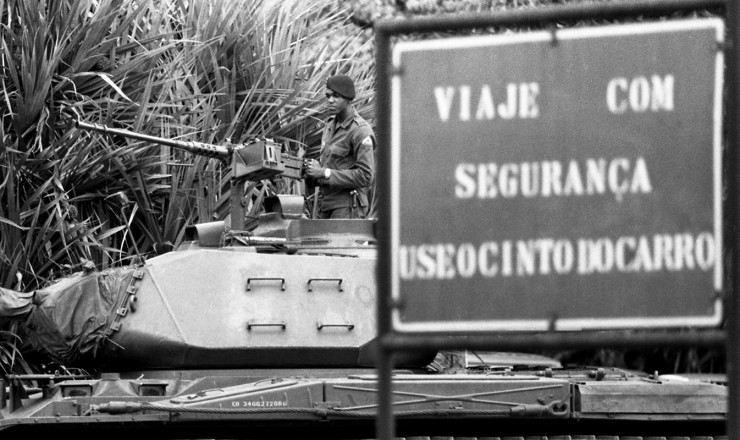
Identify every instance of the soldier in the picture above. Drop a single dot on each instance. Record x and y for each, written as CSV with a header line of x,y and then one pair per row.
x,y
346,165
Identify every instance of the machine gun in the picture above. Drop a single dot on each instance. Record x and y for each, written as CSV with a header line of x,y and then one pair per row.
x,y
258,159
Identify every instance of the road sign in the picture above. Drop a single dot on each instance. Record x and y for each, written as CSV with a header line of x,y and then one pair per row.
x,y
558,180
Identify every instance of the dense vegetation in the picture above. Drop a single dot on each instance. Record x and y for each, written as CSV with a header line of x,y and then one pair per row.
x,y
212,71
207,71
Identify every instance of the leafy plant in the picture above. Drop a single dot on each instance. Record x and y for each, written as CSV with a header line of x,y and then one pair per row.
x,y
11,360
210,71
207,71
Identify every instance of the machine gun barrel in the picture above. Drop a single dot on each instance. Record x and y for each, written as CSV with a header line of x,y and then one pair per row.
x,y
258,159
198,148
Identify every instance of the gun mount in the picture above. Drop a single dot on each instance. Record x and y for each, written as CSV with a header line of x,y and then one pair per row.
x,y
258,159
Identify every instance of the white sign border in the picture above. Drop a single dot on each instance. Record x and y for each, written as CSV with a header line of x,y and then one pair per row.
x,y
519,325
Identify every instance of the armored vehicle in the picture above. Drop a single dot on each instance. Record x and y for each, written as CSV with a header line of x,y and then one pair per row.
x,y
269,332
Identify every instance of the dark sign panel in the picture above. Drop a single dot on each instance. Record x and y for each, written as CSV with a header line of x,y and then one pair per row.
x,y
567,180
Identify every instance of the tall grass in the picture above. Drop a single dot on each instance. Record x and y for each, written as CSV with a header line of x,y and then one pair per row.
x,y
210,71
213,71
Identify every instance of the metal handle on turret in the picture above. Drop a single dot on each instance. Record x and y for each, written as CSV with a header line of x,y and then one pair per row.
x,y
249,281
251,324
320,325
339,284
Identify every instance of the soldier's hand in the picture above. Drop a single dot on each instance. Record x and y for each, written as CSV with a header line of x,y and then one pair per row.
x,y
313,168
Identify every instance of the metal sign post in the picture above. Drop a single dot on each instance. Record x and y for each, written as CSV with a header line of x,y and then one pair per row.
x,y
732,15
559,176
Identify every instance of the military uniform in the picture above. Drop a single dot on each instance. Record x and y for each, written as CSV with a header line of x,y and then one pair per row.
x,y
347,150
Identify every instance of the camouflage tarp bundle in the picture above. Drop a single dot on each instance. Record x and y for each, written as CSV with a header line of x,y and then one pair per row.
x,y
14,304
69,319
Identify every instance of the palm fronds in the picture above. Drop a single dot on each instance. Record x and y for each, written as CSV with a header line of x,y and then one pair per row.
x,y
209,71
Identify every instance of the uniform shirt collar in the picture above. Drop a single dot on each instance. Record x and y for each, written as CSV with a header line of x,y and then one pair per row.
x,y
350,117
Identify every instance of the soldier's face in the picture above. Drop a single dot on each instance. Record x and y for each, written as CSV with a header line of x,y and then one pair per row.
x,y
335,103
